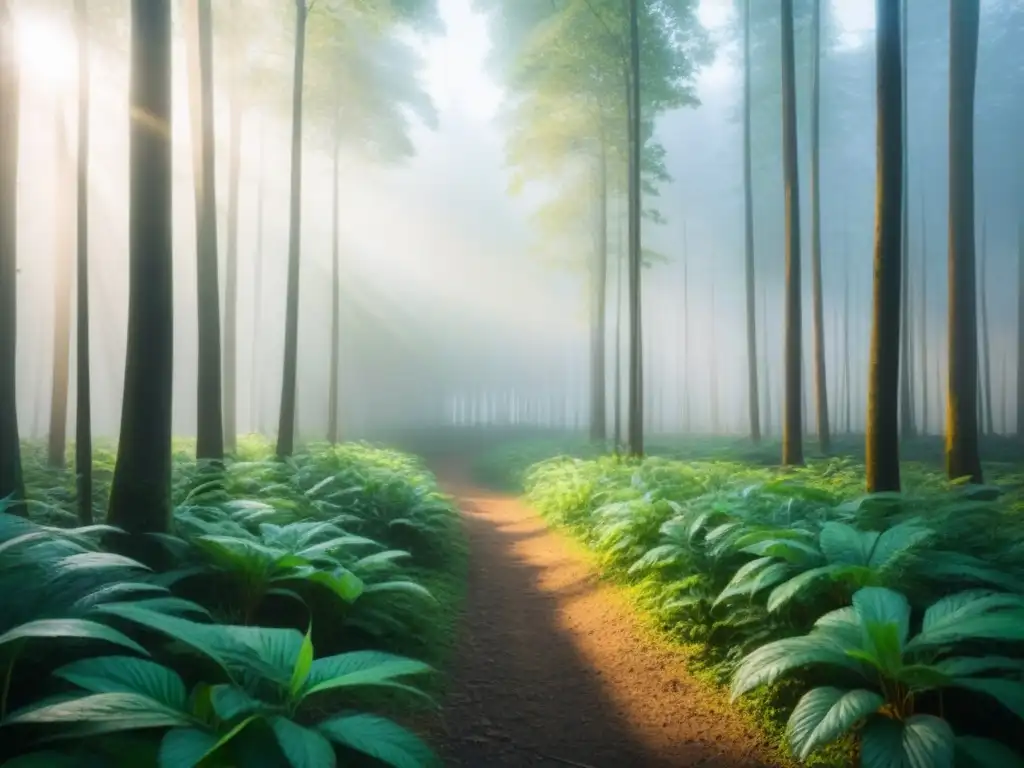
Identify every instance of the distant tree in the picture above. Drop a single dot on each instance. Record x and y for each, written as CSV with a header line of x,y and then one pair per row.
x,y
236,97
748,228
140,492
923,323
962,457
820,377
1020,328
12,484
986,365
199,43
635,193
792,426
907,426
882,463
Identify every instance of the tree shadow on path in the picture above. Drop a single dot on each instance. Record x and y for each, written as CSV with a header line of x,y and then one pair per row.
x,y
553,670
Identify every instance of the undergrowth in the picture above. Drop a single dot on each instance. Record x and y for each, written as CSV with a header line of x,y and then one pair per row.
x,y
293,615
879,630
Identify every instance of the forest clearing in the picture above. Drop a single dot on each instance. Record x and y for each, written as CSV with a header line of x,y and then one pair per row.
x,y
428,382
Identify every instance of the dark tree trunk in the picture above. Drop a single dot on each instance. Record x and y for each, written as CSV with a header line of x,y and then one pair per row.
x,y
1020,328
619,279
882,449
906,388
923,325
210,417
636,388
83,404
230,383
140,493
820,377
847,416
286,424
332,393
962,457
748,225
12,484
986,360
792,426
599,294
64,222
767,367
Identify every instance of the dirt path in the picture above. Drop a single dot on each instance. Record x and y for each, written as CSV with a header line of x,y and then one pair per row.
x,y
553,669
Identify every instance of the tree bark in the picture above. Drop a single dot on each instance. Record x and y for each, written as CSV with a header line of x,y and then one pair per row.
x,y
599,292
636,403
286,423
767,367
12,484
255,385
847,416
962,457
882,449
140,493
210,416
333,379
1020,328
83,404
753,399
905,392
230,382
64,221
923,324
986,361
820,377
687,424
792,427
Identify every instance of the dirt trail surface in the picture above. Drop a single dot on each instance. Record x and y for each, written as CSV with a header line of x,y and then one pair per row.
x,y
554,670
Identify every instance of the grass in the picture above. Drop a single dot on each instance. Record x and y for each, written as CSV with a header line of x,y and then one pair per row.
x,y
678,528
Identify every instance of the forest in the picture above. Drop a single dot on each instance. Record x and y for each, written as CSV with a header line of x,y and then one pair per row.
x,y
509,383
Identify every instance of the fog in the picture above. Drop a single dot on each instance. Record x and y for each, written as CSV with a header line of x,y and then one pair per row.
x,y
460,303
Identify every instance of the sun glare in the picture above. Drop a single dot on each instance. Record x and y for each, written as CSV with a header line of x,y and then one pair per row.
x,y
45,50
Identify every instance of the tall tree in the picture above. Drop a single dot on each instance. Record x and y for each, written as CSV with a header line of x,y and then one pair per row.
x,y
335,355
140,492
256,385
923,323
598,302
63,254
687,424
636,404
1020,328
286,423
906,386
748,226
792,425
83,403
767,370
230,351
12,484
820,378
986,364
847,416
962,457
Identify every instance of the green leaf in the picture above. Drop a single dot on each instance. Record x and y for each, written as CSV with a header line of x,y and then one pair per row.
x,y
961,666
1005,626
844,545
63,628
895,542
360,668
1009,693
972,752
185,747
405,587
303,663
126,674
773,660
885,620
379,738
922,741
303,747
823,715
106,713
230,702
793,588
341,582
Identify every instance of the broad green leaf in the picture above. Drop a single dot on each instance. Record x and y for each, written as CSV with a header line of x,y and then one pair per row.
x,y
341,582
922,741
962,666
885,617
406,587
825,714
126,674
303,747
185,747
844,545
1009,693
379,738
896,541
972,752
794,587
1003,626
360,668
82,629
774,660
106,713
229,702
303,663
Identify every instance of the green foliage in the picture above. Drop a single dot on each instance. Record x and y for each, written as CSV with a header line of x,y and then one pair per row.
x,y
859,619
268,630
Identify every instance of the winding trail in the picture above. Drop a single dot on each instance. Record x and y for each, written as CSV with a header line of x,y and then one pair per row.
x,y
554,670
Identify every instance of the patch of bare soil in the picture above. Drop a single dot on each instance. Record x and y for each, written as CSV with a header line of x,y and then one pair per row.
x,y
554,670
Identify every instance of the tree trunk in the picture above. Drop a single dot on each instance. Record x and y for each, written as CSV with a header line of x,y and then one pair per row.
x,y
962,457
286,424
619,279
333,379
923,324
140,492
599,293
230,383
12,483
255,386
753,398
83,404
883,457
687,424
986,361
848,407
792,427
1020,328
63,265
767,369
713,367
905,393
636,403
820,377
210,417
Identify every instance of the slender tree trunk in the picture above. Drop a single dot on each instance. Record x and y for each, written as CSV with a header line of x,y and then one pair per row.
x,y
767,368
713,367
848,416
286,425
962,457
906,394
63,266
923,324
210,418
83,404
883,457
636,404
619,279
1004,414
12,484
986,360
334,383
256,387
687,424
140,492
753,399
1020,328
599,296
820,377
230,401
792,427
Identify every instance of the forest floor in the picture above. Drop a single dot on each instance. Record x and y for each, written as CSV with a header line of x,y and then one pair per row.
x,y
554,668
